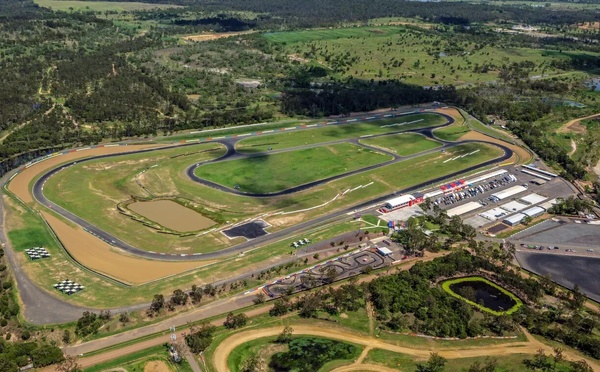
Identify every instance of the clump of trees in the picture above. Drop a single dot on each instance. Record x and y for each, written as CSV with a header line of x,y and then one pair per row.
x,y
200,337
307,354
571,206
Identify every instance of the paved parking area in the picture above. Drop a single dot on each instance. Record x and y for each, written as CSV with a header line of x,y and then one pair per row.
x,y
563,231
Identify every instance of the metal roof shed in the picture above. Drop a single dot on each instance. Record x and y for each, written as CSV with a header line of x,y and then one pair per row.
x,y
384,251
513,206
501,195
462,209
534,212
547,205
533,198
493,214
515,219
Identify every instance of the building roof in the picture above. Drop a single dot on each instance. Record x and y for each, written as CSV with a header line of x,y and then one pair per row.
x,y
548,204
462,209
538,181
509,192
384,251
533,198
487,176
494,213
534,211
515,218
402,199
513,206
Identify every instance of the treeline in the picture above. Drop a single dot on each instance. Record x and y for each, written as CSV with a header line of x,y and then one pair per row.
x,y
313,13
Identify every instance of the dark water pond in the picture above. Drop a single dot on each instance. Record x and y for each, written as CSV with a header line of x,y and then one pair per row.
x,y
477,291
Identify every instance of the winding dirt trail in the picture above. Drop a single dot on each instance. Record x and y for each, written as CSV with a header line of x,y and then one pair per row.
x,y
568,124
531,346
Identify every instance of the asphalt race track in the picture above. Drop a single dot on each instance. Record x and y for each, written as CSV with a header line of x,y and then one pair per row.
x,y
229,143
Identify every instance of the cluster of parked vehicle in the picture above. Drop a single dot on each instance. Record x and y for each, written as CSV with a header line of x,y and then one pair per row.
x,y
473,191
539,247
300,243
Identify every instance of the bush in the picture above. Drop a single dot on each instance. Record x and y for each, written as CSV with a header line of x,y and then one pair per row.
x,y
7,285
25,335
3,322
307,354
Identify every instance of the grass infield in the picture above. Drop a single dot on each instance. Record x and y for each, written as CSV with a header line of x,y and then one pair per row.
x,y
402,144
271,173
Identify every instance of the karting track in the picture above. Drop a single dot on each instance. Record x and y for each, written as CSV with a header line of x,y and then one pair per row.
x,y
231,154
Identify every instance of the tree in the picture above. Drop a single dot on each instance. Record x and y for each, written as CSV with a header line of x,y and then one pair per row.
x,y
285,336
259,298
46,355
158,302
280,307
66,338
200,337
580,366
539,362
179,297
557,356
124,318
235,321
254,363
578,298
435,363
69,365
489,365
196,294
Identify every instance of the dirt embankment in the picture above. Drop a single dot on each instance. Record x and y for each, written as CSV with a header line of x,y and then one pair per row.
x,y
531,346
208,37
521,155
575,125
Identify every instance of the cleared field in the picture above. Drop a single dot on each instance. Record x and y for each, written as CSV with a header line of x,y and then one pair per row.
x,y
277,172
208,37
415,56
100,6
336,132
403,144
171,215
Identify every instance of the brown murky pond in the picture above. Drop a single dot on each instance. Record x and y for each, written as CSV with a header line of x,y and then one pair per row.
x,y
172,215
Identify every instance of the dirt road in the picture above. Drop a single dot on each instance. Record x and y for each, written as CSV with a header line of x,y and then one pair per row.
x,y
566,127
531,346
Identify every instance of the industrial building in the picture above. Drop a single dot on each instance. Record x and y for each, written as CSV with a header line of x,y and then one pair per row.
x,y
504,194
513,206
399,202
462,209
515,219
534,212
494,214
547,205
533,198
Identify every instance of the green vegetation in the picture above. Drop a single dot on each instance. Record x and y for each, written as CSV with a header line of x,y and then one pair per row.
x,y
446,286
248,351
308,354
100,6
277,172
337,132
138,360
403,144
451,133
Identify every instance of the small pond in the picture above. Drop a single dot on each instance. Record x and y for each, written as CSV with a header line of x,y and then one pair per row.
x,y
480,291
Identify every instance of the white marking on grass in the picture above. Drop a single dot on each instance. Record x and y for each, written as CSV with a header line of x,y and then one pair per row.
x,y
401,124
312,125
267,131
245,134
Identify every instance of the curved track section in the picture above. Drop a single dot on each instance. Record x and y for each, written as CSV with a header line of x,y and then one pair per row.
x,y
38,195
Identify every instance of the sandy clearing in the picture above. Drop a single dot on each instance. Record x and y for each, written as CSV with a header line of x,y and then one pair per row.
x,y
156,366
20,184
531,346
172,215
207,37
100,256
523,154
572,125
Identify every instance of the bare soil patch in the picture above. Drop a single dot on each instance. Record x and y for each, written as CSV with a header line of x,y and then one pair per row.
x,y
156,366
589,26
208,37
575,125
172,215
100,256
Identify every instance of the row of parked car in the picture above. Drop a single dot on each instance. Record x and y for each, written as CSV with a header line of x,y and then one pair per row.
x,y
300,243
474,191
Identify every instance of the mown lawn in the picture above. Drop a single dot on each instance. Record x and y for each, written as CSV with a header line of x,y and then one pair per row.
x,y
271,173
403,144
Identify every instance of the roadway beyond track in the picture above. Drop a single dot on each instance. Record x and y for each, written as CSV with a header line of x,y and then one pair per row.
x,y
229,143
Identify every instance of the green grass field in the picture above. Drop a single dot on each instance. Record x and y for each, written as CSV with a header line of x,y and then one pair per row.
x,y
414,56
336,132
403,144
277,172
100,6
138,361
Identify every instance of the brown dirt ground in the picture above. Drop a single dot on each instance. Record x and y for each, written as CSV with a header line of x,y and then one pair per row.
x,y
172,215
575,125
590,26
156,366
100,256
523,154
207,37
531,346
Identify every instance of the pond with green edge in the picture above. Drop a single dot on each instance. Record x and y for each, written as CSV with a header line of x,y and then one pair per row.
x,y
483,294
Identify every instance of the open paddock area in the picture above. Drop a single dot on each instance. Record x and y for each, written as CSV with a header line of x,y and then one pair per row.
x,y
100,6
417,56
337,132
268,173
402,144
171,215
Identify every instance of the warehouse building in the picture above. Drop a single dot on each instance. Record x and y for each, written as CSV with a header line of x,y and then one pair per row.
x,y
513,206
462,209
504,194
515,219
533,198
399,202
494,214
534,212
547,205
